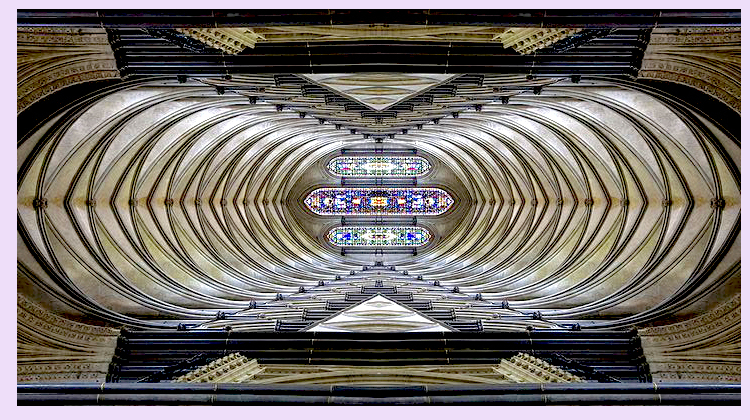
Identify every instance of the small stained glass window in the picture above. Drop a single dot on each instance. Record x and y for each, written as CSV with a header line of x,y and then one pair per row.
x,y
378,236
378,201
378,166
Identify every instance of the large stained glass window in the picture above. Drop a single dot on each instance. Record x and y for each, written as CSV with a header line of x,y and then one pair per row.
x,y
378,236
378,166
378,201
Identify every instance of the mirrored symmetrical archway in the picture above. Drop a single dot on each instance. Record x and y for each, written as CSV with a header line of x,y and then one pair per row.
x,y
590,198
590,161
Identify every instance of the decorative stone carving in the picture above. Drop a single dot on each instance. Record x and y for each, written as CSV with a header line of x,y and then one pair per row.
x,y
76,368
51,348
718,203
669,332
528,40
693,377
236,368
229,40
697,368
525,368
704,348
40,203
63,377
705,58
235,40
51,58
44,315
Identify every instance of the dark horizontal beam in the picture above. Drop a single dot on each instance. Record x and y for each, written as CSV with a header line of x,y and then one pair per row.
x,y
733,399
523,394
437,337
498,18
617,52
352,390
615,353
545,71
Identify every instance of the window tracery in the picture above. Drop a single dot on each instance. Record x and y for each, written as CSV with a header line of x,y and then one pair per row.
x,y
378,236
378,201
379,166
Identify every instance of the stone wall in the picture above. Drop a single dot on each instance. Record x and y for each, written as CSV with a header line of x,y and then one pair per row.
x,y
54,349
707,59
49,59
704,348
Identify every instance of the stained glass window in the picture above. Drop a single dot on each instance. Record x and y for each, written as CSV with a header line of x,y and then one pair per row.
x,y
378,166
378,201
379,236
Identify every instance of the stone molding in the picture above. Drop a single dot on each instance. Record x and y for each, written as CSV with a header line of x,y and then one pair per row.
x,y
703,368
49,368
692,376
695,35
51,58
62,377
51,348
716,319
712,328
690,371
688,75
707,59
79,330
688,350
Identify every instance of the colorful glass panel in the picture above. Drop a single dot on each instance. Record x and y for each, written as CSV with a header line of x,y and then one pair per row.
x,y
378,236
378,201
378,166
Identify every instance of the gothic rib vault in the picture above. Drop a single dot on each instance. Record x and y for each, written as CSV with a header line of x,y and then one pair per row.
x,y
590,199
594,203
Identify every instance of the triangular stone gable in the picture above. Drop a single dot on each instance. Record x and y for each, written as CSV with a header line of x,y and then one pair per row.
x,y
378,314
378,91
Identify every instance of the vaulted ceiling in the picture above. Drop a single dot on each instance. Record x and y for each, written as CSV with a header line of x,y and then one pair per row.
x,y
591,197
163,198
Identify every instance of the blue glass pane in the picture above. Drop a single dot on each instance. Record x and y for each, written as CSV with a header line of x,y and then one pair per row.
x,y
378,201
378,236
